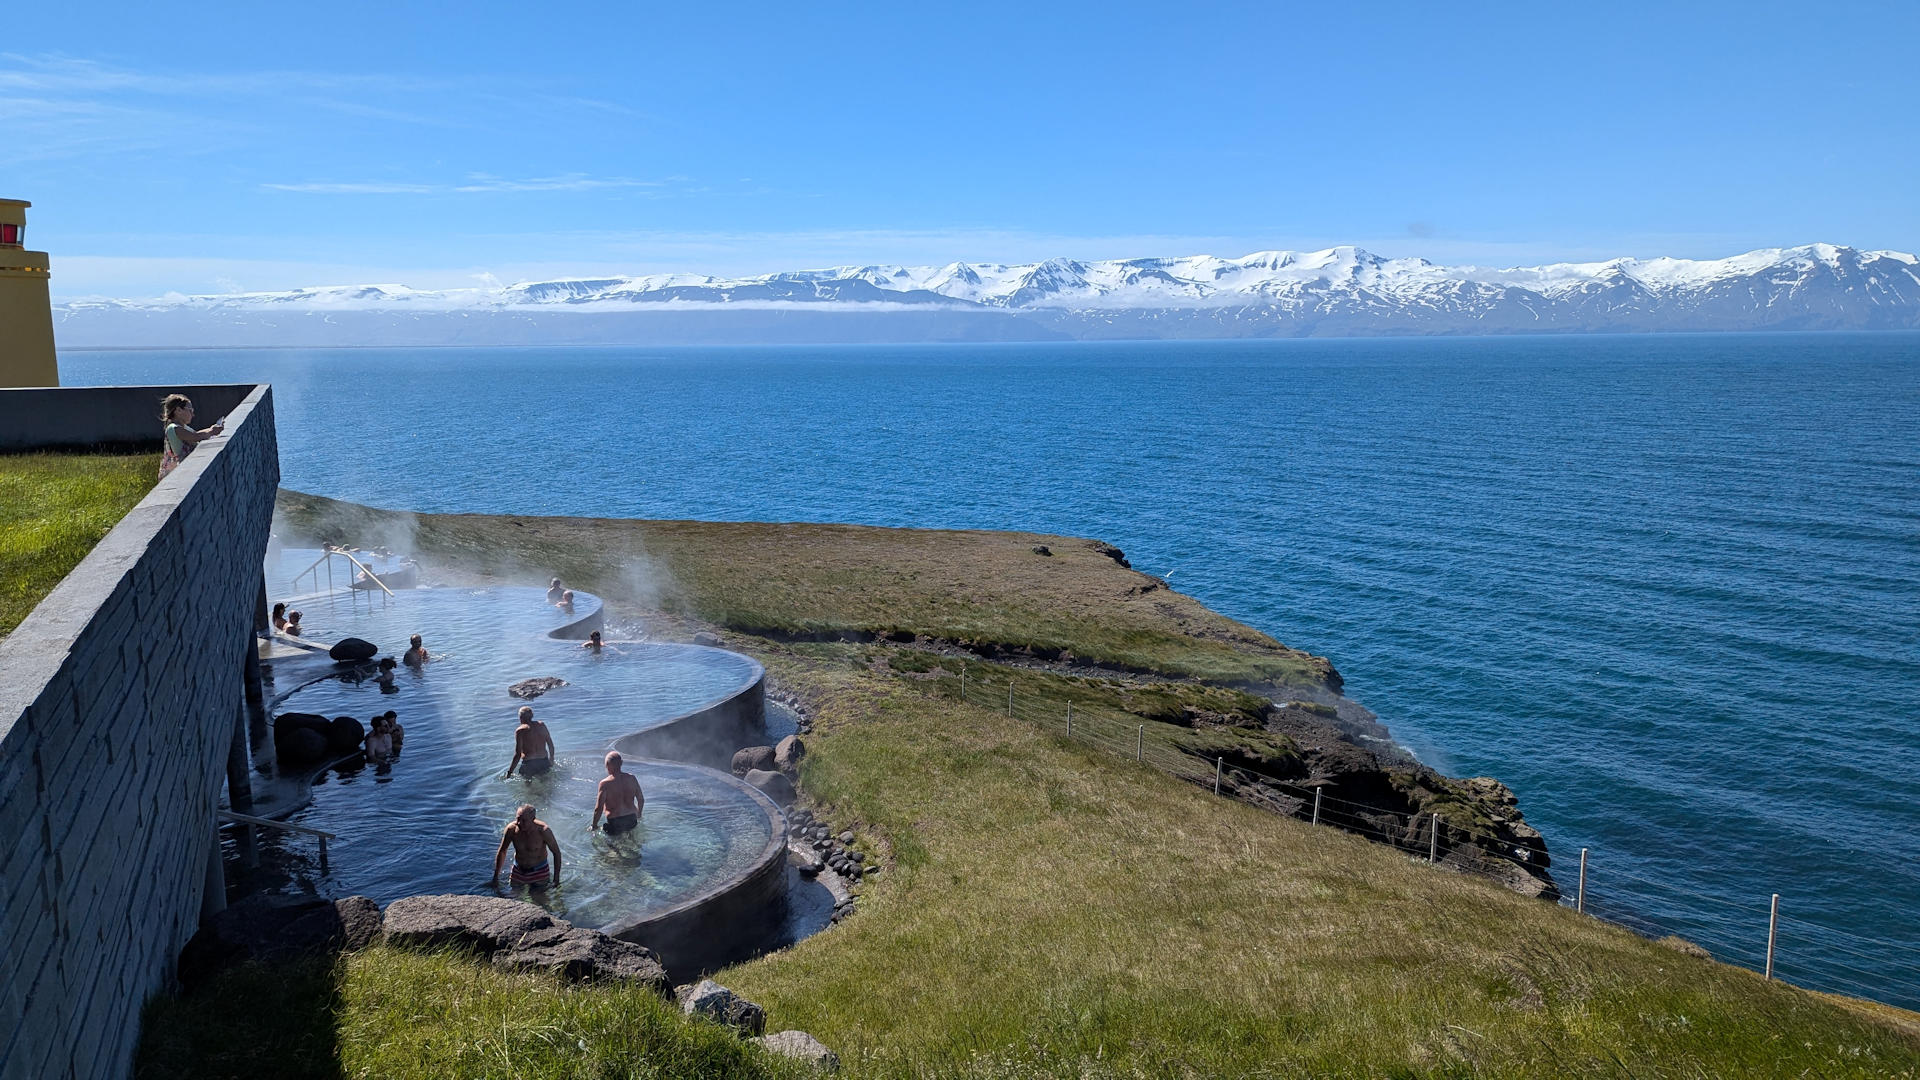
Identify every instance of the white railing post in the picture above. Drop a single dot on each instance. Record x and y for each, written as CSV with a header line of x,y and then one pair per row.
x,y
1773,929
1433,840
1316,804
963,680
1009,697
1218,764
1580,902
1140,744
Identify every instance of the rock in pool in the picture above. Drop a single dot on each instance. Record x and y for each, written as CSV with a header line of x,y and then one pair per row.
x,y
528,689
353,650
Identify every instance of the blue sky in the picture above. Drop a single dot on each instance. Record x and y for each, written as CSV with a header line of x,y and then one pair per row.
x,y
217,147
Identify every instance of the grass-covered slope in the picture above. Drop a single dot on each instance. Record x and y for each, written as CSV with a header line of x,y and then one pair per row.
x,y
788,580
1050,908
390,1013
1053,908
53,509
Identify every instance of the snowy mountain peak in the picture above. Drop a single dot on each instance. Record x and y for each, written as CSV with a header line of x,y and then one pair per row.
x,y
1335,290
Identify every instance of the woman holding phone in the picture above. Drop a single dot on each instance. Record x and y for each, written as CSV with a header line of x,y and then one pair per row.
x,y
176,411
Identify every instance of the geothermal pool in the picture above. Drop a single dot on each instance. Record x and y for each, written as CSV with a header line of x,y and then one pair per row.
x,y
429,821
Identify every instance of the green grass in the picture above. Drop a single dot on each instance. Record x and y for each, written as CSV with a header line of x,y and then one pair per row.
x,y
987,589
1050,908
390,1013
53,509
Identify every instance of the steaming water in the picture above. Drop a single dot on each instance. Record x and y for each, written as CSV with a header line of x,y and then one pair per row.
x,y
430,821
1665,587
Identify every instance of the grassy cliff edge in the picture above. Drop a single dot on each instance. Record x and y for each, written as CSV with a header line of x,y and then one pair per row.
x,y
1046,908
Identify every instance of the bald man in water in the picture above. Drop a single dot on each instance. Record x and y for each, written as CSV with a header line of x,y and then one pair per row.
x,y
530,840
532,746
620,798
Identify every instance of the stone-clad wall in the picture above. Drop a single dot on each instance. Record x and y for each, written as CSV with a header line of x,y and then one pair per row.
x,y
119,696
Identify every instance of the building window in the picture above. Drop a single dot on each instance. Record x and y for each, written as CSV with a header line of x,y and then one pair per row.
x,y
13,235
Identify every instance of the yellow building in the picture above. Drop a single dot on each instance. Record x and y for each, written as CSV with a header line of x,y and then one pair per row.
x,y
26,313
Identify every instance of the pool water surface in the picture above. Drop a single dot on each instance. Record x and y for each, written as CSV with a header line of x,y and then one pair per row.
x,y
430,820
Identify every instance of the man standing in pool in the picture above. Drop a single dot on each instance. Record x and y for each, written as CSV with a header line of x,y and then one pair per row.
x,y
620,798
530,840
416,654
532,746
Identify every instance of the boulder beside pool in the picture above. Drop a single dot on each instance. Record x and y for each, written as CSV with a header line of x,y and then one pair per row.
x,y
774,785
300,738
344,733
353,650
300,746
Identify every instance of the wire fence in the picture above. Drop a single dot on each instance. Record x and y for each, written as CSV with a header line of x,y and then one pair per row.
x,y
1762,935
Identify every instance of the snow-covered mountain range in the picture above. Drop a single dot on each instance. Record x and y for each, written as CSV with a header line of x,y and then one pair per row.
x,y
1342,291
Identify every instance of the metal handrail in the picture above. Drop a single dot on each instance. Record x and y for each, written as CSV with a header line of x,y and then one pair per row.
x,y
367,570
347,555
284,826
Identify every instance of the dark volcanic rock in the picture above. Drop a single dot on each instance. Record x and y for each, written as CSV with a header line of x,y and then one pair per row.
x,y
352,650
277,928
486,923
300,746
581,954
753,757
528,689
344,733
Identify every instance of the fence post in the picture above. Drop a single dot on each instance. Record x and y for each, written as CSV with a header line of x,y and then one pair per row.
x,y
1009,697
1433,840
963,680
1069,719
1140,744
1316,804
1580,903
1218,764
1773,928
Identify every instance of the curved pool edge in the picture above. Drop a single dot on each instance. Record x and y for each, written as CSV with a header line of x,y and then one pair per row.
x,y
729,920
708,734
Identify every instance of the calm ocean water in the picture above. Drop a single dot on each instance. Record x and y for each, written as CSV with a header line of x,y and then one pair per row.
x,y
1667,588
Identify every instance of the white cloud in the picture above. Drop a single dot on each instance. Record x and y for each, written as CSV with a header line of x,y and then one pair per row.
x,y
478,183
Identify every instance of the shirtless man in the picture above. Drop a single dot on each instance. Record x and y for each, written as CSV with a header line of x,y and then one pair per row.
x,y
593,644
565,603
553,592
532,745
530,840
620,797
416,654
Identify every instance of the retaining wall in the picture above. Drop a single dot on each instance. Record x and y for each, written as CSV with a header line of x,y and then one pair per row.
x,y
42,419
710,734
119,699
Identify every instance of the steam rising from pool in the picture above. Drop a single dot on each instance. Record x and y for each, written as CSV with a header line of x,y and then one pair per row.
x,y
430,821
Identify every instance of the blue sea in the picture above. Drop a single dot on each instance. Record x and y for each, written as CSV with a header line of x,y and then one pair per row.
x,y
1667,588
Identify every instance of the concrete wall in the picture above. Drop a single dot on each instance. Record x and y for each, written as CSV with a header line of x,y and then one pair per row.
x,y
107,415
119,697
708,735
